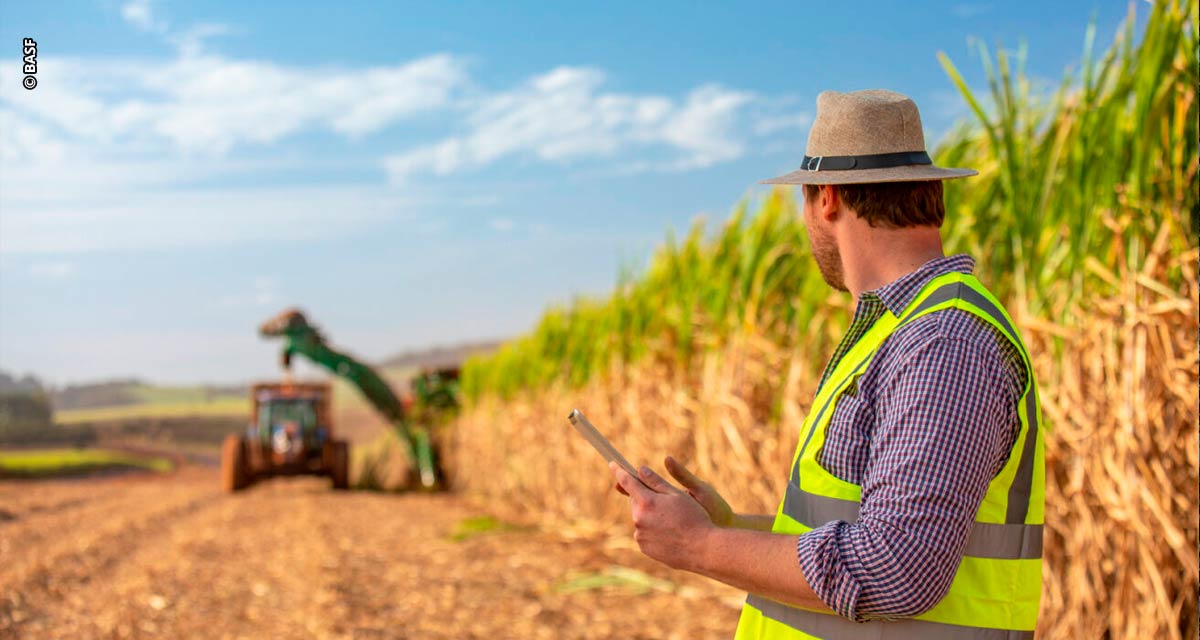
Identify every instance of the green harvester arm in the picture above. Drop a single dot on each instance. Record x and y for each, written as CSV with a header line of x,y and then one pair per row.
x,y
301,338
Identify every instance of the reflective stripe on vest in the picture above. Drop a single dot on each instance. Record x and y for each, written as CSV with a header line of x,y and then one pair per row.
x,y
997,587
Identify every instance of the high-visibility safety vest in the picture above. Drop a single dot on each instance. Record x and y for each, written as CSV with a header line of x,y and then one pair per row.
x,y
997,588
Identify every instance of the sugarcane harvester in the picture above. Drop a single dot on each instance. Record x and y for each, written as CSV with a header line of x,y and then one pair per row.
x,y
301,338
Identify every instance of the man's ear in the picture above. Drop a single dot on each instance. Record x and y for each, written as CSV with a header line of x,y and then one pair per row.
x,y
828,203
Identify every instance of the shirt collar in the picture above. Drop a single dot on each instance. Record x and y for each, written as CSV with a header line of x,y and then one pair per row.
x,y
897,294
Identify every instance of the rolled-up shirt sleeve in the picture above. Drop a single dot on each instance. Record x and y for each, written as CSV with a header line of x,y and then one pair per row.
x,y
945,417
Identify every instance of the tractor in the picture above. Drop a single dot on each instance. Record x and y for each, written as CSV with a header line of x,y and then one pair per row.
x,y
290,433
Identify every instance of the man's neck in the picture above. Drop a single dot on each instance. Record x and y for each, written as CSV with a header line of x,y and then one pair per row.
x,y
877,257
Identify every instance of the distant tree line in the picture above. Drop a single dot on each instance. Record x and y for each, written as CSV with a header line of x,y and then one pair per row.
x,y
11,383
24,404
27,415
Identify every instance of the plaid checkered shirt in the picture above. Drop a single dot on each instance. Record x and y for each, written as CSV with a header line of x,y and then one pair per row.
x,y
931,421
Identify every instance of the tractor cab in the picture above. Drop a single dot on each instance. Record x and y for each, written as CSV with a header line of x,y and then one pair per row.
x,y
289,433
287,425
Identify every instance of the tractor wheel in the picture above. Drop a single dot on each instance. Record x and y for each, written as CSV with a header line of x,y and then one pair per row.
x,y
339,468
234,471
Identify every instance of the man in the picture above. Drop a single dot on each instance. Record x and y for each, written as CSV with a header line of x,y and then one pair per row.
x,y
915,501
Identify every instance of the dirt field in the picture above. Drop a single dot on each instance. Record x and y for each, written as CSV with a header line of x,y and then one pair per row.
x,y
142,556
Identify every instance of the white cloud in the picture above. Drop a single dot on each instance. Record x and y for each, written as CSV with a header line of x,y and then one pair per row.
x,y
501,224
140,14
704,126
210,104
24,142
565,115
390,93
214,104
62,195
191,41
100,157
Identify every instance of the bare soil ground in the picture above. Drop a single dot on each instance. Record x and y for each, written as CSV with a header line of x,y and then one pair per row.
x,y
169,556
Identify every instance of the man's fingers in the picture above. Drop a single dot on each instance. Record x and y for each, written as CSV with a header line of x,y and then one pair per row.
x,y
683,475
655,481
629,484
621,490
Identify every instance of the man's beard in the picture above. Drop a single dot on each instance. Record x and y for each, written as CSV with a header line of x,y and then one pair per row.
x,y
829,259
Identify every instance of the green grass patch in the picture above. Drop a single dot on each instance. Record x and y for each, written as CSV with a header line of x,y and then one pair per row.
x,y
220,406
614,577
46,463
481,525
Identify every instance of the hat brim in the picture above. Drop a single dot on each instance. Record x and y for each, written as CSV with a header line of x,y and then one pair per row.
x,y
911,173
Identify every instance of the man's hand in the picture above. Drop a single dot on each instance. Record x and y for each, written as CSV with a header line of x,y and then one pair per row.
x,y
718,510
669,525
672,527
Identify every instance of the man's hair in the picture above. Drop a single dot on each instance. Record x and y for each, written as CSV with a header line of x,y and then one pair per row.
x,y
892,204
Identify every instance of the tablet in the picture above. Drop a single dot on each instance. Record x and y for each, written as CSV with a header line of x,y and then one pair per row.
x,y
601,444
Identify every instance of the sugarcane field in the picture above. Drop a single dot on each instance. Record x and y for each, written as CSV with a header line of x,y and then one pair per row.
x,y
489,321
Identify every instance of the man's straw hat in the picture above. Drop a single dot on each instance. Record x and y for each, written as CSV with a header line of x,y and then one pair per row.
x,y
866,136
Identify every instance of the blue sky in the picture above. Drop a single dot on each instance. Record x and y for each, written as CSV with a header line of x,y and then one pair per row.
x,y
409,174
